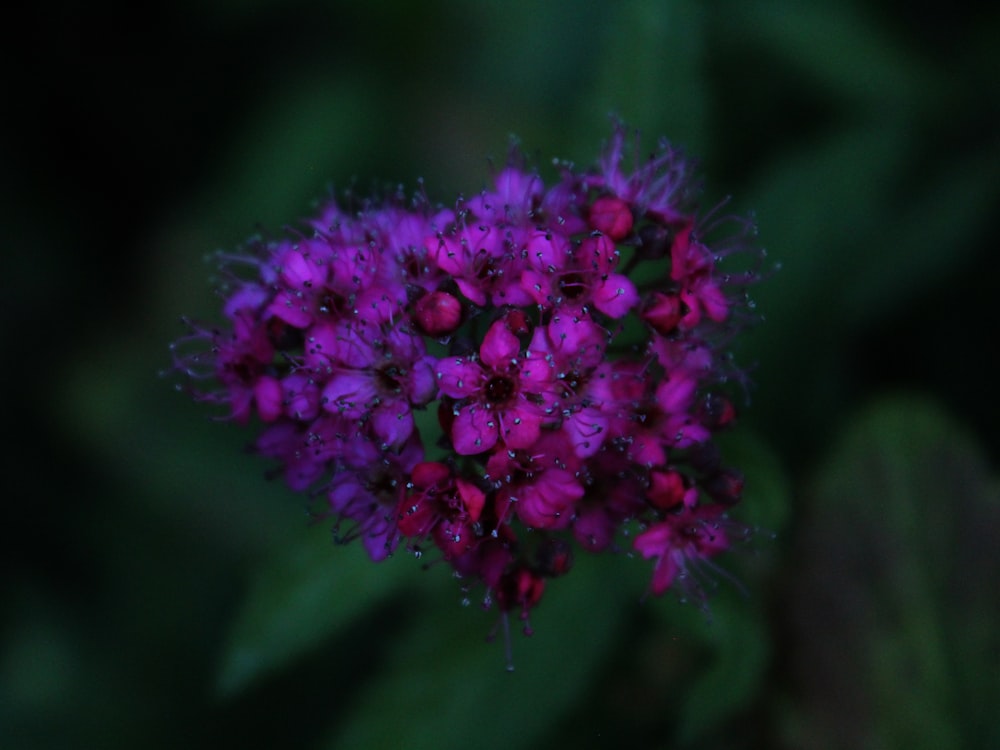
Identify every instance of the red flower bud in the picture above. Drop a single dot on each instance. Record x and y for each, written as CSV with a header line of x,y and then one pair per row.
x,y
438,313
611,216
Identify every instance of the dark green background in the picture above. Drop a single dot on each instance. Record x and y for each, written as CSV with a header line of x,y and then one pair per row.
x,y
158,592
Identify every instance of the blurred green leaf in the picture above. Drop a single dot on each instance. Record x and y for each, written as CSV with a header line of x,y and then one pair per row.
x,y
56,673
931,240
309,129
842,46
896,582
448,687
301,596
767,496
652,73
816,209
734,673
169,452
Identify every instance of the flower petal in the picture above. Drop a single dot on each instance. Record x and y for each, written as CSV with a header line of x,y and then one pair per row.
x,y
393,422
500,347
521,428
457,377
586,430
474,430
422,385
615,296
349,394
291,306
576,338
472,498
269,396
658,542
676,393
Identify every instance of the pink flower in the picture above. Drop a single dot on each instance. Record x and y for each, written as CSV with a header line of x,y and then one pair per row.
x,y
379,376
692,267
366,493
483,260
579,278
443,506
540,487
500,396
679,543
659,188
574,398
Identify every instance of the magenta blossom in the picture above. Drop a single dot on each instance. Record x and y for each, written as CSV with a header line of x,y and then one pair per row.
x,y
500,396
537,369
380,376
682,546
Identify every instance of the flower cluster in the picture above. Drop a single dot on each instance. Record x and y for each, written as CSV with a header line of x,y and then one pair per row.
x,y
535,369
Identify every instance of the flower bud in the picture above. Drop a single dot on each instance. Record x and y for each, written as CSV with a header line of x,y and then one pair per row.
x,y
664,312
611,216
438,313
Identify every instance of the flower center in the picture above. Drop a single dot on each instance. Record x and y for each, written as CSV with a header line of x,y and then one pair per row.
x,y
243,370
647,415
388,379
499,389
572,286
573,380
284,337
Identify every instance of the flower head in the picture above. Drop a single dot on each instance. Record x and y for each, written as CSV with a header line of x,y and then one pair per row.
x,y
571,339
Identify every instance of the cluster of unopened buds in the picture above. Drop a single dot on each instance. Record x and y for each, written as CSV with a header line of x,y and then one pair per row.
x,y
495,384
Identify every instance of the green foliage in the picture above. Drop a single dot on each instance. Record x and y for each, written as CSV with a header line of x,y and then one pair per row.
x,y
447,681
656,81
901,529
302,596
842,49
730,680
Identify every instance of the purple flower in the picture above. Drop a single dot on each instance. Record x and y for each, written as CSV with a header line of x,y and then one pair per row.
x,y
443,507
541,487
574,277
378,376
572,340
366,495
498,396
682,546
660,189
615,495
